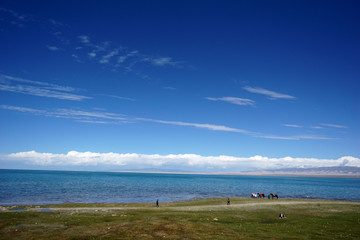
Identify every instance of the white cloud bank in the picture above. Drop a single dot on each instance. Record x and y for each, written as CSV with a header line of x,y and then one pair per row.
x,y
181,161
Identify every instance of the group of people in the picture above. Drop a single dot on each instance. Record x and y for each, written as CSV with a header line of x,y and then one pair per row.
x,y
262,195
257,195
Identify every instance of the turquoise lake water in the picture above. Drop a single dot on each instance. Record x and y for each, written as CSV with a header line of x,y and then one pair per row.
x,y
24,187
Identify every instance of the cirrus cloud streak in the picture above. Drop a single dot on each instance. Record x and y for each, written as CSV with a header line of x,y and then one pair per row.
x,y
37,88
233,100
101,117
270,94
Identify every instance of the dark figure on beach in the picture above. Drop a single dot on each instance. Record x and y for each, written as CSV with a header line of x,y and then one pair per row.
x,y
273,196
228,201
157,203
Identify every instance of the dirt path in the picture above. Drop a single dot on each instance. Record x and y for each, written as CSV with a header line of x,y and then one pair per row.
x,y
195,208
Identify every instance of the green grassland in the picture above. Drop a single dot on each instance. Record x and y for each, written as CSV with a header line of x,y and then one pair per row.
x,y
245,218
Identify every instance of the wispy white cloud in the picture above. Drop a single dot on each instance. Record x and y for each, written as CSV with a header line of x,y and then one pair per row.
x,y
97,121
24,109
117,57
270,94
118,97
182,161
92,55
169,88
114,118
84,39
17,15
7,78
159,62
55,23
222,128
323,125
78,115
60,36
76,58
163,61
106,58
234,100
297,137
101,116
292,125
212,127
316,127
37,88
123,58
333,125
52,48
101,47
14,18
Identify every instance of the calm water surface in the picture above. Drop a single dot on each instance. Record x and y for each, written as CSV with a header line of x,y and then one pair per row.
x,y
23,187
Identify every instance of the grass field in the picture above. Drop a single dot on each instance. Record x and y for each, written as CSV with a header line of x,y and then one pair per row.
x,y
196,219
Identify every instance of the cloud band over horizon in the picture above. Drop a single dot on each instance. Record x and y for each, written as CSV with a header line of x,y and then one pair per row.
x,y
180,161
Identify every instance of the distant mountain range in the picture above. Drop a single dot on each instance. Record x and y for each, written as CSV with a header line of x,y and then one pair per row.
x,y
342,171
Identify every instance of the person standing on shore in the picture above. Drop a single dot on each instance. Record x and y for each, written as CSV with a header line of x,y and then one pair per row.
x,y
157,203
228,201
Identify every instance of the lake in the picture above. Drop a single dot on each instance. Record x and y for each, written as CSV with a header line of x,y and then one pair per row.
x,y
35,187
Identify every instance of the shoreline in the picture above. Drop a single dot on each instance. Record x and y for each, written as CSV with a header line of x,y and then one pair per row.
x,y
192,200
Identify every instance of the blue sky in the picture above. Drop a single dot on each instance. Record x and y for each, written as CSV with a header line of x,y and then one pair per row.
x,y
193,86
